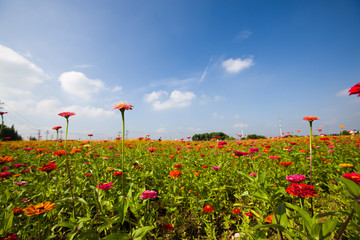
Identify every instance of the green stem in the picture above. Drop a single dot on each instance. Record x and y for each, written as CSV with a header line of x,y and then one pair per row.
x,y
311,180
122,148
68,167
2,124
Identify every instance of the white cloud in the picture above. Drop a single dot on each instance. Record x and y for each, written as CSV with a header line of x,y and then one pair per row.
x,y
77,84
204,75
160,130
47,106
217,116
343,93
237,65
116,89
17,73
177,99
240,126
83,66
88,111
154,96
244,35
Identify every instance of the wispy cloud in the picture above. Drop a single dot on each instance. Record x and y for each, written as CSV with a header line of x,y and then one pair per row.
x,y
83,66
343,93
237,65
245,34
204,75
77,84
217,116
177,99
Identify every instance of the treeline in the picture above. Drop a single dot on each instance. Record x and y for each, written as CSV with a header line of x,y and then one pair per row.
x,y
9,134
209,136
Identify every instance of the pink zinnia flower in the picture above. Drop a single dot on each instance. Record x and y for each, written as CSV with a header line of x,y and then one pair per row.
x,y
2,113
216,168
66,114
5,175
238,153
301,190
123,106
295,178
254,150
105,186
20,183
253,174
149,194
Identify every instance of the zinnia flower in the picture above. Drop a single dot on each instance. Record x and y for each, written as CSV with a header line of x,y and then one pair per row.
x,y
295,178
20,183
352,176
208,209
39,208
149,194
56,128
286,164
118,174
167,227
66,114
17,211
310,118
177,166
9,236
249,214
59,153
253,174
216,168
123,106
355,89
236,211
105,186
346,165
48,168
238,153
2,113
301,190
5,175
175,173
269,219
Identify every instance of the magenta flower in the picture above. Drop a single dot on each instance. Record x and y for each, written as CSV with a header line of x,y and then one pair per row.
x,y
18,165
5,175
253,174
20,183
66,114
105,186
149,194
254,150
238,153
295,178
216,168
2,113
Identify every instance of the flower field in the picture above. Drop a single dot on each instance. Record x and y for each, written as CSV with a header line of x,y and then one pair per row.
x,y
145,189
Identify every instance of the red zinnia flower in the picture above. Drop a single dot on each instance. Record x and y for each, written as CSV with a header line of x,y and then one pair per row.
x,y
249,214
286,164
178,166
167,227
48,168
118,174
59,153
236,211
208,209
301,190
66,114
355,89
9,236
310,118
56,128
352,176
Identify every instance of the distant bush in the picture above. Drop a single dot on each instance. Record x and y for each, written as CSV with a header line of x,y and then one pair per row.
x,y
255,136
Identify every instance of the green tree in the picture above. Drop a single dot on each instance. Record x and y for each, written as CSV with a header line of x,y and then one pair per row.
x,y
10,134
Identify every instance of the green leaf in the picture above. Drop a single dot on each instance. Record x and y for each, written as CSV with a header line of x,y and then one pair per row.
x,y
278,226
8,221
261,195
64,224
117,236
88,235
139,233
280,214
247,176
262,178
324,230
308,221
352,187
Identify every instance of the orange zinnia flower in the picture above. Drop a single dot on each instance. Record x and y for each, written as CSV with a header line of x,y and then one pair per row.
x,y
39,208
269,218
74,150
59,153
6,159
17,211
175,173
310,118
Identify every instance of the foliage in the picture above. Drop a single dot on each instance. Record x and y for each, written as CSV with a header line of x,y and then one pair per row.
x,y
255,136
209,136
219,190
10,134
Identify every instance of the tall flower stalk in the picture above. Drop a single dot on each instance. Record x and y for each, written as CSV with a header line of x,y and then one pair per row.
x,y
66,115
2,121
122,107
57,131
311,119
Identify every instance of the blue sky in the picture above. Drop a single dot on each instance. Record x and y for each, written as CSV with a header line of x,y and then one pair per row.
x,y
187,66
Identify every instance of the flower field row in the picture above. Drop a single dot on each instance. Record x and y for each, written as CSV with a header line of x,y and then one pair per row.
x,y
144,189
